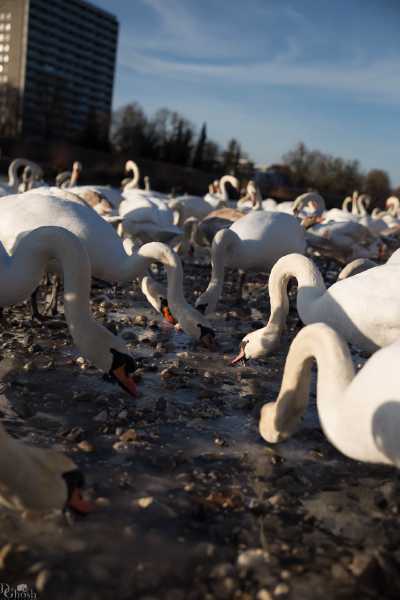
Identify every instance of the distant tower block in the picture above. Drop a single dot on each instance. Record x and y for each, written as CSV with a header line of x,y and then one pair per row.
x,y
57,63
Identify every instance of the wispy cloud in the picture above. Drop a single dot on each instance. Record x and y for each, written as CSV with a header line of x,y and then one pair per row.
x,y
373,80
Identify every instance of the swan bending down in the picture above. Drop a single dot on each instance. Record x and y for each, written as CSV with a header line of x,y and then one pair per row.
x,y
38,479
359,414
21,273
202,233
253,243
108,258
364,309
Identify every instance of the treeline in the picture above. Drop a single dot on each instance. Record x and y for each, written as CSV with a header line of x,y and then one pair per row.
x,y
334,177
168,136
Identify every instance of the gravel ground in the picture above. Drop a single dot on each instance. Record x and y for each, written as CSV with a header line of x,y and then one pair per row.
x,y
192,503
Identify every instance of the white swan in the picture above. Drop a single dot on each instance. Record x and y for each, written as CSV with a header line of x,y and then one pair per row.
x,y
199,207
108,258
359,414
364,309
148,219
131,183
253,243
13,181
37,479
344,240
68,179
21,273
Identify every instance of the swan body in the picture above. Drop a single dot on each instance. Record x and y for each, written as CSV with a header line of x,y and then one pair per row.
x,y
37,479
359,414
344,241
253,243
108,258
198,207
363,309
149,219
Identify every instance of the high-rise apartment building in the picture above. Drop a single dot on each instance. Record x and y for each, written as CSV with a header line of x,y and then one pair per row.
x,y
57,63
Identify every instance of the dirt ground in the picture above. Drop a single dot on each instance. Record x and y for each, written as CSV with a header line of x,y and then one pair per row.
x,y
192,503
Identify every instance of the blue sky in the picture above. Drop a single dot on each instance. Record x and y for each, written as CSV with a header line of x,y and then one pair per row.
x,y
270,72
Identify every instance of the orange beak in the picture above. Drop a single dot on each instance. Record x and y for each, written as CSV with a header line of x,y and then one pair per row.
x,y
166,313
239,357
125,381
79,504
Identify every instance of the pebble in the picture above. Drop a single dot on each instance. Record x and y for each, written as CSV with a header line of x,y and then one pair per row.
x,y
102,417
103,502
252,559
222,570
263,595
168,373
86,446
281,589
41,580
144,502
129,435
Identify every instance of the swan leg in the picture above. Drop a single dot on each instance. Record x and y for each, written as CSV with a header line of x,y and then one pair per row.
x,y
34,307
240,284
52,307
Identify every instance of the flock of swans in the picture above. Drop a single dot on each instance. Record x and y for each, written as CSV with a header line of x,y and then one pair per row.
x,y
77,232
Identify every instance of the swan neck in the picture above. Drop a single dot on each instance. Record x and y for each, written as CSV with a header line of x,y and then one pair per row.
x,y
132,166
310,286
335,372
224,242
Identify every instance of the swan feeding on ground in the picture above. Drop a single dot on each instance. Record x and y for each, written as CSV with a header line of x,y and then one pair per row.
x,y
21,273
38,479
108,258
359,413
364,309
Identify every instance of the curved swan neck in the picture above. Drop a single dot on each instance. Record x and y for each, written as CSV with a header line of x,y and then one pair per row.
x,y
156,251
310,285
13,171
362,205
335,372
132,166
310,197
222,184
25,269
346,204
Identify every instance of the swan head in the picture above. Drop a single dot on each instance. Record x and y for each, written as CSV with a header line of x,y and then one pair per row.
x,y
122,369
55,483
156,296
257,343
77,166
74,480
